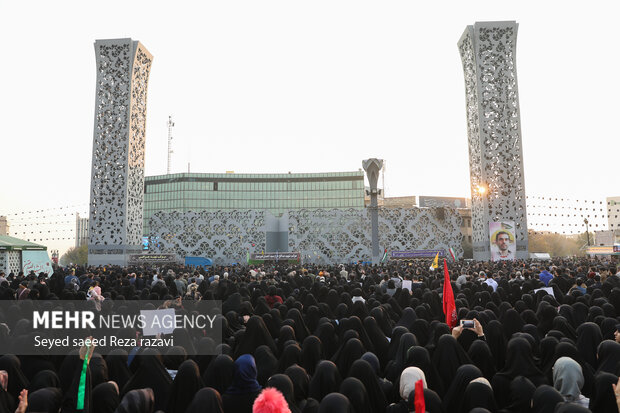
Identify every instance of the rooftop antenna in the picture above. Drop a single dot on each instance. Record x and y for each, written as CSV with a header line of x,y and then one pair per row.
x,y
170,126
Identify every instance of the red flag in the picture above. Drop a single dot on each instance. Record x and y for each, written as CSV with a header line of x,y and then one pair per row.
x,y
418,402
449,307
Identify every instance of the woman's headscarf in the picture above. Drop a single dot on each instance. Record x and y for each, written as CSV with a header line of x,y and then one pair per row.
x,y
98,369
44,378
361,370
118,370
352,350
407,318
481,356
448,357
521,392
497,342
355,391
374,362
327,334
312,353
206,400
432,401
545,399
334,403
608,357
511,323
419,357
421,330
478,395
397,332
284,385
137,401
408,379
256,334
47,399
151,374
355,324
266,364
326,379
568,378
17,381
301,330
547,352
105,398
604,398
219,373
455,393
520,362
286,335
377,337
301,382
244,379
185,385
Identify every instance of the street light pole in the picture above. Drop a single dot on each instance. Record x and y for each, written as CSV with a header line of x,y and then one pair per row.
x,y
585,221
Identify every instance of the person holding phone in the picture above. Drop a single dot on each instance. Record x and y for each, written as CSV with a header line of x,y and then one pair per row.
x,y
473,325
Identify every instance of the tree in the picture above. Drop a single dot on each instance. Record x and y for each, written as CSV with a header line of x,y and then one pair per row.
x,y
556,245
75,255
468,250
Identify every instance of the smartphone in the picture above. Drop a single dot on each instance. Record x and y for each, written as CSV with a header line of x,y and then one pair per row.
x,y
467,323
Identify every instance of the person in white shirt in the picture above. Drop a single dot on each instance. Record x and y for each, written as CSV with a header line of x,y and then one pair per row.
x,y
490,281
398,281
461,280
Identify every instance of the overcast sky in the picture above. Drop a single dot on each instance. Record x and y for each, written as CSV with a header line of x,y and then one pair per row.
x,y
314,86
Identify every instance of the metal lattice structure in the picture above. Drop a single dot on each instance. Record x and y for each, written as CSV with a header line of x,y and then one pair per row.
x,y
10,262
223,236
117,179
331,235
488,54
321,235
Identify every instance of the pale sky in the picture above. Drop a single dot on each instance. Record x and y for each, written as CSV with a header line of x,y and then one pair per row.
x,y
278,86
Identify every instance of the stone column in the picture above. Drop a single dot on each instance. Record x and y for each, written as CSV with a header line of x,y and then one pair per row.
x,y
372,167
488,54
117,179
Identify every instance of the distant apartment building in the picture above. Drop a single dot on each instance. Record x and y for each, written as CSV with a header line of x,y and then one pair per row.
x,y
81,231
276,193
613,212
4,226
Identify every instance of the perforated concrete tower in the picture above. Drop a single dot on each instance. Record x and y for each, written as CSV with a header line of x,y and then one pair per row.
x,y
488,53
117,179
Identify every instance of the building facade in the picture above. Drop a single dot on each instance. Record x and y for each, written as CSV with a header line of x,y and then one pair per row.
x,y
4,226
81,231
613,212
276,193
19,255
117,179
488,55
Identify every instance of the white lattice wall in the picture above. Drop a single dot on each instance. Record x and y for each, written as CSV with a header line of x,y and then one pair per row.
x,y
4,263
14,262
321,235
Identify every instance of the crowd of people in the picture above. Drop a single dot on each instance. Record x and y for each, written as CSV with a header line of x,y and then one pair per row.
x,y
530,337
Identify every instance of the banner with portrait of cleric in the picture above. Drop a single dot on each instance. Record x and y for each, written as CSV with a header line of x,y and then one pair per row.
x,y
503,242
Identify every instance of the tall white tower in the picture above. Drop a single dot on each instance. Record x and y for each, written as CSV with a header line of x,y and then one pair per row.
x,y
117,179
488,54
